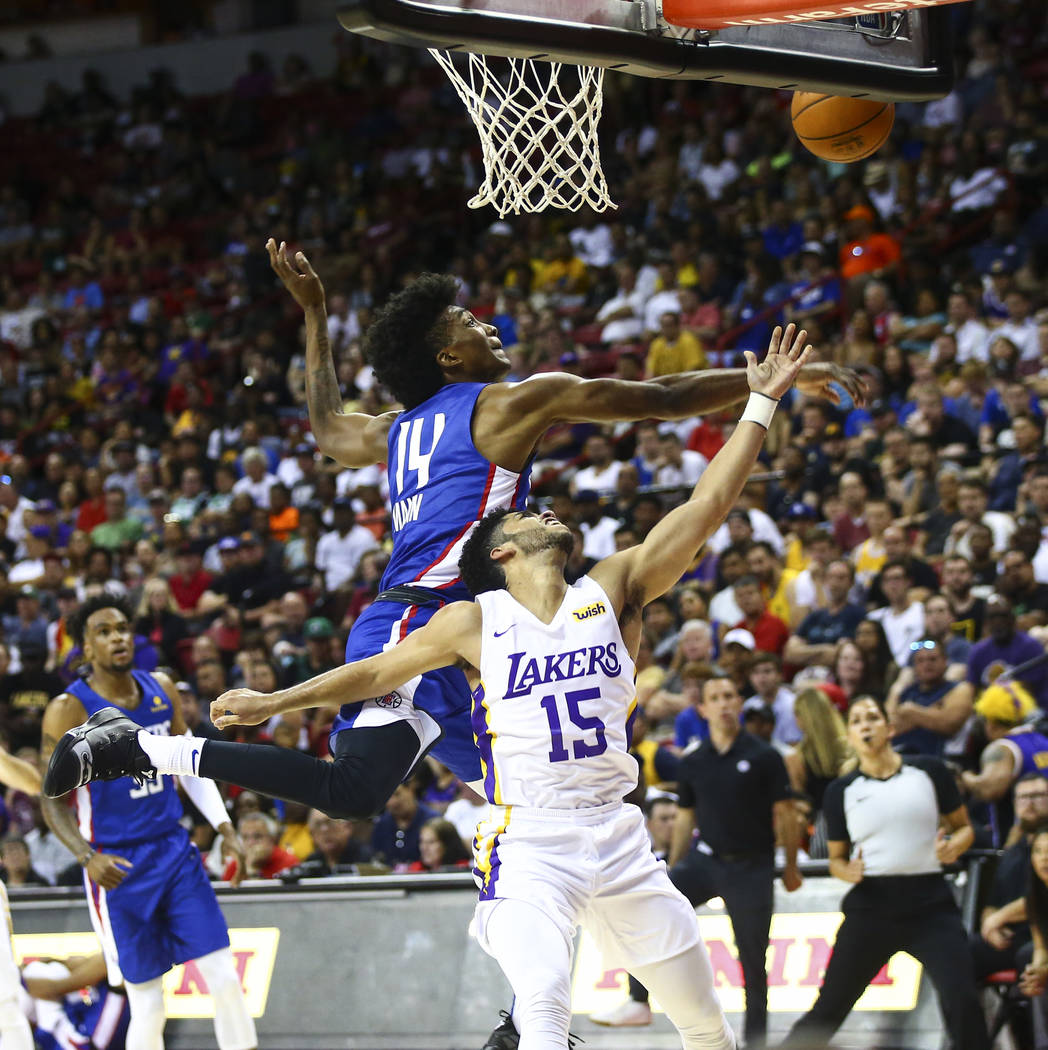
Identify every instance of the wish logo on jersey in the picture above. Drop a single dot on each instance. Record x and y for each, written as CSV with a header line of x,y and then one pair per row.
x,y
587,612
527,672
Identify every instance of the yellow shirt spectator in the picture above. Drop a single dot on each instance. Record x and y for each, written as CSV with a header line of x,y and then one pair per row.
x,y
674,349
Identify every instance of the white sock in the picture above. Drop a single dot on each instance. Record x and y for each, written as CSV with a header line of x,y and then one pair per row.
x,y
177,755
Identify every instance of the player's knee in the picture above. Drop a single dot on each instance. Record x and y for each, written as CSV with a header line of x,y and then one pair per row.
x,y
547,987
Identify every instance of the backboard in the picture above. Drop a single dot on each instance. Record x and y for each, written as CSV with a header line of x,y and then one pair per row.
x,y
897,56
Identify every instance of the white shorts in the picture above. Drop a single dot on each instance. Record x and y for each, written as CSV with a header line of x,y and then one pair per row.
x,y
590,867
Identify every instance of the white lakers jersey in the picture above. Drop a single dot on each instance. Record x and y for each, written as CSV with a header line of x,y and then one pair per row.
x,y
550,715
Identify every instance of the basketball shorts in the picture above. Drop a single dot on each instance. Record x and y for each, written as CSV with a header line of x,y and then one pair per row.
x,y
443,694
590,867
165,912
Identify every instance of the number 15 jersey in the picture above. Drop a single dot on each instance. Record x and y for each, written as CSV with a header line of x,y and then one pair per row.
x,y
552,712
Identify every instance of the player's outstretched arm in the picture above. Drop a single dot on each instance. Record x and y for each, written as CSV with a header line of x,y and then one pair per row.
x,y
352,440
452,636
19,774
651,568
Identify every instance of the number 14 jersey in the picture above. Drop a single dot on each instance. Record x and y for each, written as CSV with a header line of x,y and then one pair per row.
x,y
551,715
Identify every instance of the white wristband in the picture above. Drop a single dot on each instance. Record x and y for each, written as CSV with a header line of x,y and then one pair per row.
x,y
759,409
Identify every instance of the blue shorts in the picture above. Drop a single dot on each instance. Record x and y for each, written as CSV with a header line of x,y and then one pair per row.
x,y
443,694
165,912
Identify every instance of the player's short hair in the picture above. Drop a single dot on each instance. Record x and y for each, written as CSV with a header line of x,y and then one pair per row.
x,y
479,573
403,340
78,621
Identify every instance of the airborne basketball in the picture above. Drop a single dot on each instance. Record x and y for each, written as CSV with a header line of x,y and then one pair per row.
x,y
841,129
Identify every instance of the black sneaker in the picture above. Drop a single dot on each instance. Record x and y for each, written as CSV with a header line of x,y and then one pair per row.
x,y
505,1037
105,747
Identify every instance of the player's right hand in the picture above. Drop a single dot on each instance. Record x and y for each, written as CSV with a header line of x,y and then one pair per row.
x,y
240,707
298,277
107,870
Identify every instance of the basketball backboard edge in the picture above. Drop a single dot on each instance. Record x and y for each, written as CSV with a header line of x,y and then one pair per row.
x,y
625,35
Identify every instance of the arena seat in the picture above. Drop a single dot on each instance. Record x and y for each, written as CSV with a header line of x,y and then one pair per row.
x,y
1012,1007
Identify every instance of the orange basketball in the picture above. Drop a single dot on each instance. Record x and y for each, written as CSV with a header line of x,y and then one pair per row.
x,y
841,129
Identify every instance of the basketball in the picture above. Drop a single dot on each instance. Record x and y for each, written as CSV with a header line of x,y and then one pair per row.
x,y
841,129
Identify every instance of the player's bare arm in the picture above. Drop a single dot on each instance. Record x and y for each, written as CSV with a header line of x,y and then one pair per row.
x,y
19,774
353,439
511,417
996,772
452,637
638,575
63,713
84,971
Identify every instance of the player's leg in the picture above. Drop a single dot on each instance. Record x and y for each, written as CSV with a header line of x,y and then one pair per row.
x,y
14,1028
234,1027
196,929
145,1031
684,988
535,955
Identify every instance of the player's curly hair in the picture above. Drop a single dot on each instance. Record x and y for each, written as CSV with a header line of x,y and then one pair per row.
x,y
479,573
88,608
403,340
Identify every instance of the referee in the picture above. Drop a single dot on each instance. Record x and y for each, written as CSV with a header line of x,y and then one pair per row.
x,y
885,816
734,787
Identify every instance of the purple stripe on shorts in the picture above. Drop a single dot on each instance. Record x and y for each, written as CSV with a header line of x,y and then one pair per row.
x,y
482,736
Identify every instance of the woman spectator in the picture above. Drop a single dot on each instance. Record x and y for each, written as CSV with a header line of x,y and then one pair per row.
x,y
157,617
93,508
440,848
820,756
1034,979
849,668
881,670
883,821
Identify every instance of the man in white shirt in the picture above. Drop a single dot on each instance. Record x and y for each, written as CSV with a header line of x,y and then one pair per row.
x,y
257,481
339,552
902,619
678,465
623,314
342,323
664,301
598,530
766,679
292,469
602,474
1020,327
592,241
970,333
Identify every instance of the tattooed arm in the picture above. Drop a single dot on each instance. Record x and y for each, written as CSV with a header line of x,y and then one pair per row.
x,y
63,713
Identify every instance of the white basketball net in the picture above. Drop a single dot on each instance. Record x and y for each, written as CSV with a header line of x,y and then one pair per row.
x,y
539,138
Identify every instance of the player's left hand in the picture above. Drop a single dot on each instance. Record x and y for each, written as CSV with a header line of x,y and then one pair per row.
x,y
816,378
233,849
240,707
792,879
787,353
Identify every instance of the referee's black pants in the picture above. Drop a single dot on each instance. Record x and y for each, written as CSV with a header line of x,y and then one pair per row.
x,y
916,914
746,886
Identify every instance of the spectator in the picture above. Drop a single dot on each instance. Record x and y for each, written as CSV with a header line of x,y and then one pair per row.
x,y
17,869
929,711
675,349
602,472
902,618
1029,599
395,839
1006,647
158,619
265,858
339,551
677,466
440,848
118,532
598,530
816,639
337,850
770,634
767,681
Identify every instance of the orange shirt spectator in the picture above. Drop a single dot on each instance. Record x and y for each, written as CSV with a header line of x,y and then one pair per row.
x,y
867,251
284,523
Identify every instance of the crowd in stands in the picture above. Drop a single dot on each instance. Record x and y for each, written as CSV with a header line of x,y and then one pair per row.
x,y
154,437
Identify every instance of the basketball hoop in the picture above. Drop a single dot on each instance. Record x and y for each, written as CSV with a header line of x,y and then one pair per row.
x,y
538,131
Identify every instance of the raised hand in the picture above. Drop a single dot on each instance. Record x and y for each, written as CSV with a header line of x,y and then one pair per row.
x,y
301,282
240,707
787,354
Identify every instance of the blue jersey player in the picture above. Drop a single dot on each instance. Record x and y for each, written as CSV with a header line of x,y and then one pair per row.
x,y
461,448
148,896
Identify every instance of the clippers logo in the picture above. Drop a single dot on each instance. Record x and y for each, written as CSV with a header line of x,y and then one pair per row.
x,y
587,612
391,701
